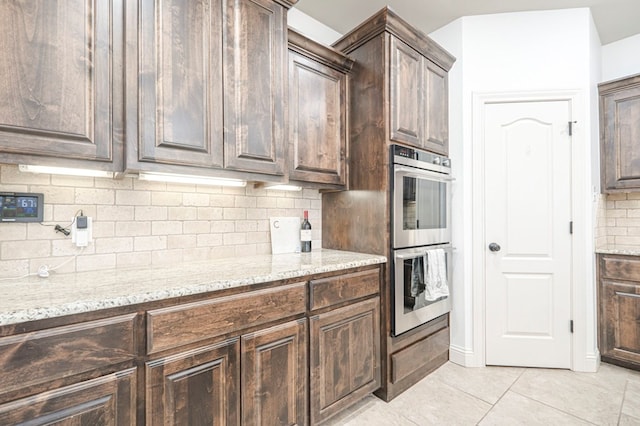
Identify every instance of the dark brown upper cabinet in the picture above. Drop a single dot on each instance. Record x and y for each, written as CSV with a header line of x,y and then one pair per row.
x,y
61,85
211,78
406,74
318,132
620,134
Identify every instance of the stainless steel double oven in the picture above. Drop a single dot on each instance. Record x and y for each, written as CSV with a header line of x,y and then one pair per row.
x,y
421,227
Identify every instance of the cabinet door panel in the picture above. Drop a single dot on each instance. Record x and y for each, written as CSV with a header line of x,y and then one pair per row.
x,y
621,127
406,94
317,111
436,109
254,62
196,387
105,401
181,82
274,375
345,357
60,65
620,321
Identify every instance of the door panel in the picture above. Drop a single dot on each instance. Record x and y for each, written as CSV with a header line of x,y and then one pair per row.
x,y
317,120
181,83
406,107
59,73
436,109
254,82
527,211
196,387
274,375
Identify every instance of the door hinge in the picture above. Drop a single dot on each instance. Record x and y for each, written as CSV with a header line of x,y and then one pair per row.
x,y
571,326
571,123
571,227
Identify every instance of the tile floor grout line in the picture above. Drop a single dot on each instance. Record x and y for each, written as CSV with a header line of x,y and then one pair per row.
x,y
624,397
555,408
501,396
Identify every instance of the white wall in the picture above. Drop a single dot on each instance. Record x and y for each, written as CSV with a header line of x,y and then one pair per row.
x,y
510,53
621,58
311,28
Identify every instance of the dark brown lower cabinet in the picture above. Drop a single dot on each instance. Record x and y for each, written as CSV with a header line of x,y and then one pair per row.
x,y
107,400
619,322
274,375
249,357
195,387
345,357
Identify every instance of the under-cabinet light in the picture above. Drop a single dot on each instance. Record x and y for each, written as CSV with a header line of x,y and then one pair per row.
x,y
197,180
29,168
283,188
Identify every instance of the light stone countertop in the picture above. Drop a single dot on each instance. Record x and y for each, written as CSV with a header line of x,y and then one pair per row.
x,y
35,298
629,251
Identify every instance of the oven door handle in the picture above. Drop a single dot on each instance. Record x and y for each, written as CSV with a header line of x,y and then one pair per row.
x,y
414,255
423,174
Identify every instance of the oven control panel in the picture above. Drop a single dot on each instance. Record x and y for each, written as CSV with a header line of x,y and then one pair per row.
x,y
399,152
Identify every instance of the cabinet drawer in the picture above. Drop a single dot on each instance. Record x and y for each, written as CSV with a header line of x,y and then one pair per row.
x,y
343,288
418,355
41,356
620,268
107,400
179,325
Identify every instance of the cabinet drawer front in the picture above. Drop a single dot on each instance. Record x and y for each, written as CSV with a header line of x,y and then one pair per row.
x,y
330,291
107,400
41,356
416,356
620,268
179,325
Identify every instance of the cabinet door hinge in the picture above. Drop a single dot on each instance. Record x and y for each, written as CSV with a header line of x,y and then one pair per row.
x,y
571,326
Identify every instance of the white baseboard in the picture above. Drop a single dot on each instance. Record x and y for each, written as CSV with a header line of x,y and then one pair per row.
x,y
464,357
589,364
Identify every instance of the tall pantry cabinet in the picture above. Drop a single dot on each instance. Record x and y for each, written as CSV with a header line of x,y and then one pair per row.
x,y
398,93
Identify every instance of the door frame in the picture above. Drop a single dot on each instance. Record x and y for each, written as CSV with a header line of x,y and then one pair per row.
x,y
583,312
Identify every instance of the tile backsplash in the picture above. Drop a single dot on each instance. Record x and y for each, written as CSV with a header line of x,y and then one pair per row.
x,y
618,221
143,223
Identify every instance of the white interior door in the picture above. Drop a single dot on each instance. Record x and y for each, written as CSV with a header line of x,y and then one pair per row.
x,y
527,214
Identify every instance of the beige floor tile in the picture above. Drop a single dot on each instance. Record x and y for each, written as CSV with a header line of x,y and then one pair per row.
x,y
595,397
486,383
626,420
433,402
370,412
631,404
514,409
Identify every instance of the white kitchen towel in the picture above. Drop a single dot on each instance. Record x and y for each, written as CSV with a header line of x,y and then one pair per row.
x,y
436,275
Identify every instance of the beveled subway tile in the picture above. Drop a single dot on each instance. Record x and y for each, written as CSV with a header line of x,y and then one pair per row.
x,y
514,409
597,401
486,383
433,402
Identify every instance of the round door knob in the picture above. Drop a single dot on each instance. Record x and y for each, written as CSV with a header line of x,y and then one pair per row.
x,y
494,247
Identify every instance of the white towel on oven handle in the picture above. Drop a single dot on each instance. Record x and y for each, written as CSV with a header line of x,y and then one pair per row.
x,y
435,275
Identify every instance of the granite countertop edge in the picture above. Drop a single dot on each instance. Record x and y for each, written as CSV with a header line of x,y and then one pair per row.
x,y
34,298
627,251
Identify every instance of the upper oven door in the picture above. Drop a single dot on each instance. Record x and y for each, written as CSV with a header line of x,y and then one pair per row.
x,y
421,207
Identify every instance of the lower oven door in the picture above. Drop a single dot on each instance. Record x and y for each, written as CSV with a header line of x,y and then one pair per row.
x,y
421,286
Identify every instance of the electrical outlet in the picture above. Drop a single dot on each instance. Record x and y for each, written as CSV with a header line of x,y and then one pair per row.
x,y
81,231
